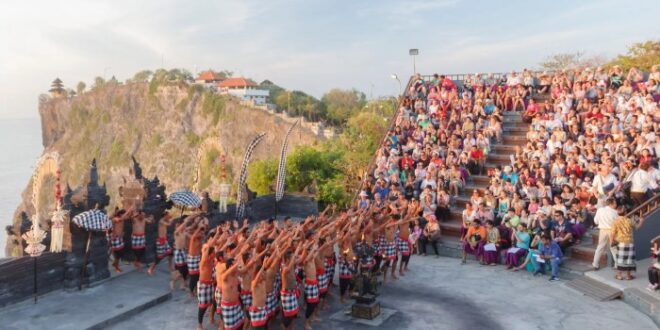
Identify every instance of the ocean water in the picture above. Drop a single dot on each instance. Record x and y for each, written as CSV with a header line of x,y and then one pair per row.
x,y
20,146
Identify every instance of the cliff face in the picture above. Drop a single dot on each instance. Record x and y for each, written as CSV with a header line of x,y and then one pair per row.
x,y
177,133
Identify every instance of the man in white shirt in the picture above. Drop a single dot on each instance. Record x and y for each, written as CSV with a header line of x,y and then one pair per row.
x,y
604,219
642,182
604,185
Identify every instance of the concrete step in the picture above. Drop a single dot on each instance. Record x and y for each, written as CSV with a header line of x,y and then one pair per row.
x,y
499,159
517,140
516,124
502,149
586,254
480,180
452,228
515,130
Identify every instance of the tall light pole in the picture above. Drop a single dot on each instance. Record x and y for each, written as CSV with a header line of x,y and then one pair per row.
x,y
395,77
414,52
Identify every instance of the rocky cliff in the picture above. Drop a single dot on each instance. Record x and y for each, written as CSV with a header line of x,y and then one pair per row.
x,y
176,131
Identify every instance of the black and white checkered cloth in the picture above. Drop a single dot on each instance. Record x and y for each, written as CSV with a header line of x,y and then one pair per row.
x,y
185,198
281,170
232,315
625,256
93,220
289,303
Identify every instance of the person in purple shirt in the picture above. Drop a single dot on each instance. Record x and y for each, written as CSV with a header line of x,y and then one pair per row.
x,y
549,252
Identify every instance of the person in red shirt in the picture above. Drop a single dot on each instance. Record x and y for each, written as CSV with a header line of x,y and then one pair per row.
x,y
476,160
447,83
406,160
531,111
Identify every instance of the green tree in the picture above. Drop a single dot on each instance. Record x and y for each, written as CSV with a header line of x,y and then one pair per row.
x,y
341,104
562,61
642,55
142,76
99,82
262,175
80,88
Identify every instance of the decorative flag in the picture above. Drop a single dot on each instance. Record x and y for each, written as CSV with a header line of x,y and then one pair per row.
x,y
240,209
281,171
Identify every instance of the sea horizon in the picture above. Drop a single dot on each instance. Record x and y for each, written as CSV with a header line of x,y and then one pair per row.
x,y
20,144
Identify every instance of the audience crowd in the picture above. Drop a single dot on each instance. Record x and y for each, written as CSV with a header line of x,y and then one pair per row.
x,y
589,156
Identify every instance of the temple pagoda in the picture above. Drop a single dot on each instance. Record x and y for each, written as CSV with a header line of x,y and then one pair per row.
x,y
57,88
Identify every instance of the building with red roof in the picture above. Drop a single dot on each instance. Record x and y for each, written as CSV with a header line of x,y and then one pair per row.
x,y
245,89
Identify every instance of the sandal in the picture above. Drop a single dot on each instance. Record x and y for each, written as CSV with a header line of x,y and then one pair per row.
x,y
630,278
618,277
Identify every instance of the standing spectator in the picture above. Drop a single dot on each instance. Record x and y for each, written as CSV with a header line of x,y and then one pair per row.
x,y
622,239
604,219
654,269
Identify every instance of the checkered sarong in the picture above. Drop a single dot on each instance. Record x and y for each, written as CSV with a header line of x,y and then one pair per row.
x,y
258,316
218,299
403,245
138,242
346,269
246,298
232,315
390,250
329,265
289,302
322,277
625,257
163,248
205,291
272,303
311,291
179,257
116,243
193,264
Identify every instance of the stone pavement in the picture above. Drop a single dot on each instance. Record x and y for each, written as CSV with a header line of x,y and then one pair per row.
x,y
439,293
634,292
92,308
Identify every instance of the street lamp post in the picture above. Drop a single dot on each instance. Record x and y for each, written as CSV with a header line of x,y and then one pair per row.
x,y
395,77
414,52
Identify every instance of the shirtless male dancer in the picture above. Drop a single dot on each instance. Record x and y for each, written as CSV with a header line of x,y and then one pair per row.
x,y
181,235
117,236
163,248
138,240
311,283
194,257
206,283
290,292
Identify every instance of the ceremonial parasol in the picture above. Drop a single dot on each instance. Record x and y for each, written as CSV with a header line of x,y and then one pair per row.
x,y
185,199
93,220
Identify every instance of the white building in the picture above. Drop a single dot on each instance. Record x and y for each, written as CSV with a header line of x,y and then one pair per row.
x,y
209,79
245,89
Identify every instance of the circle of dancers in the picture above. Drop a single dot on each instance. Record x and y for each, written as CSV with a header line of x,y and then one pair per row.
x,y
246,276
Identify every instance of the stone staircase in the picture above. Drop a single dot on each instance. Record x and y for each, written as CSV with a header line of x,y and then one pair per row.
x,y
579,257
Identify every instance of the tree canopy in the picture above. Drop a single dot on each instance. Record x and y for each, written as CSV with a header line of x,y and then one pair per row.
x,y
642,55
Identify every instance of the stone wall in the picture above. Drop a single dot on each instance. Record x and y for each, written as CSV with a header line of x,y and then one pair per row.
x,y
17,276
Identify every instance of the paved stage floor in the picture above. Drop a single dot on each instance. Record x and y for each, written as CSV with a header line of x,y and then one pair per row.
x,y
439,293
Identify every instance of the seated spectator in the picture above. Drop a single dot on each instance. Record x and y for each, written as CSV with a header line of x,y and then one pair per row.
x,y
490,250
521,240
474,240
431,234
549,253
562,231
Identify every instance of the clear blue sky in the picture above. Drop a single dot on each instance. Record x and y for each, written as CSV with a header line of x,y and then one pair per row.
x,y
300,44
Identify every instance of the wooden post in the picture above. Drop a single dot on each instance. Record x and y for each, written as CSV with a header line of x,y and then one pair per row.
x,y
35,279
84,266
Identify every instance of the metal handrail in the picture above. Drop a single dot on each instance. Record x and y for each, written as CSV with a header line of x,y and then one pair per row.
x,y
371,165
645,208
